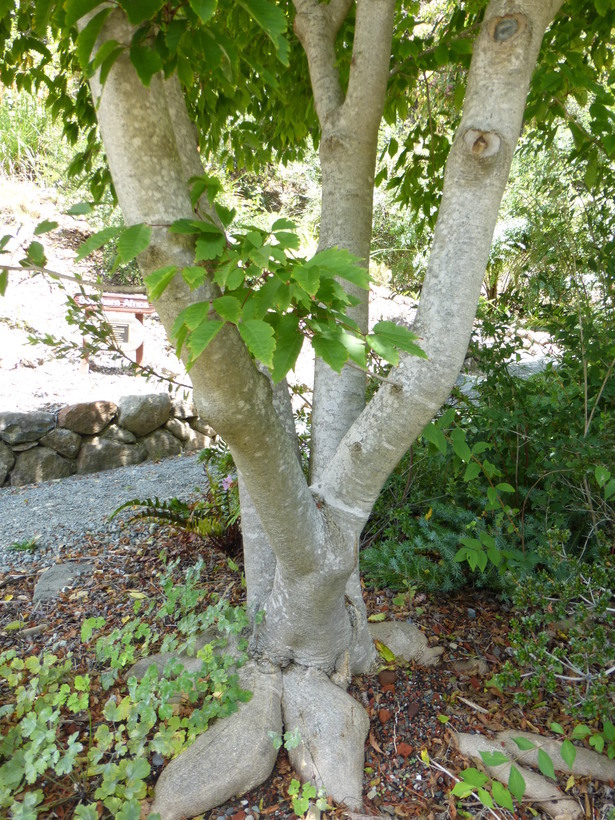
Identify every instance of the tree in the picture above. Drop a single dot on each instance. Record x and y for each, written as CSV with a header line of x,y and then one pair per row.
x,y
301,536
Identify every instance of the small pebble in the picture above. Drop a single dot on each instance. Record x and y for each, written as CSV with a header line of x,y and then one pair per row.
x,y
471,613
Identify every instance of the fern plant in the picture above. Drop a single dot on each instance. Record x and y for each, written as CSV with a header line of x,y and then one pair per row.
x,y
216,518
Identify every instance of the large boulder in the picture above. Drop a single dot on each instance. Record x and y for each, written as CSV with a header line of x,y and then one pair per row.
x,y
17,428
144,414
161,444
202,427
39,464
7,459
105,454
63,441
88,418
191,439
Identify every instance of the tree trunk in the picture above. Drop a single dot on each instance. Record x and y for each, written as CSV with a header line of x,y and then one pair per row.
x,y
301,541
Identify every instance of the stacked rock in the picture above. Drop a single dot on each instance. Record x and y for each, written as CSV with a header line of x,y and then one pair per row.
x,y
99,435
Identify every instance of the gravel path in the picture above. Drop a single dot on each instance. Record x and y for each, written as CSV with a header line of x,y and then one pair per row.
x,y
59,513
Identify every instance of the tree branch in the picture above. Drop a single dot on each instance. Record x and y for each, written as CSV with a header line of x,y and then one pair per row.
x,y
316,26
476,174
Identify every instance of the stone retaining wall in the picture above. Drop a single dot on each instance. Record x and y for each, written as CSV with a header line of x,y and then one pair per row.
x,y
98,435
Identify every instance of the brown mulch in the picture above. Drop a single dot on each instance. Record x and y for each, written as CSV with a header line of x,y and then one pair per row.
x,y
412,709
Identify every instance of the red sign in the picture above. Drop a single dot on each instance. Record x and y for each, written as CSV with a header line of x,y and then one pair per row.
x,y
119,302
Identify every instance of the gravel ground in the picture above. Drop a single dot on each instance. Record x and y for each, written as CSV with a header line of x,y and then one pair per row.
x,y
59,513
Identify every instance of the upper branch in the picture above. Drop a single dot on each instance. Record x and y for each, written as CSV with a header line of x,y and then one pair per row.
x,y
317,25
477,169
371,56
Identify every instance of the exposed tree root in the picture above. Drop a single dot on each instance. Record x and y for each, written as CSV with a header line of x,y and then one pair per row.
x,y
333,727
232,756
539,790
587,763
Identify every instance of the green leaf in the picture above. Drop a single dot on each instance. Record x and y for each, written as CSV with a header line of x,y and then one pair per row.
x,y
289,341
460,445
516,783
568,753
472,471
140,10
602,475
204,9
501,795
4,280
191,317
44,227
157,281
545,764
557,728
96,241
435,436
503,487
581,731
399,336
209,247
133,241
524,744
80,209
609,490
462,789
271,19
330,350
36,254
194,276
474,777
146,61
597,741
88,36
485,798
228,307
494,758
258,337
76,9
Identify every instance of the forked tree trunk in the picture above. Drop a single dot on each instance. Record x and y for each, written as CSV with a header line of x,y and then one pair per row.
x,y
301,541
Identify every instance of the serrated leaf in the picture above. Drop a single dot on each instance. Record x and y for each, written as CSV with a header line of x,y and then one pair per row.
x,y
204,9
96,241
272,20
157,281
516,784
202,336
259,339
45,226
87,37
133,241
228,308
146,61
501,795
330,350
545,764
568,753
209,247
494,758
194,276
399,336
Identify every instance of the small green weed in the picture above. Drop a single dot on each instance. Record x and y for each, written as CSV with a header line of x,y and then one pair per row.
x,y
27,545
